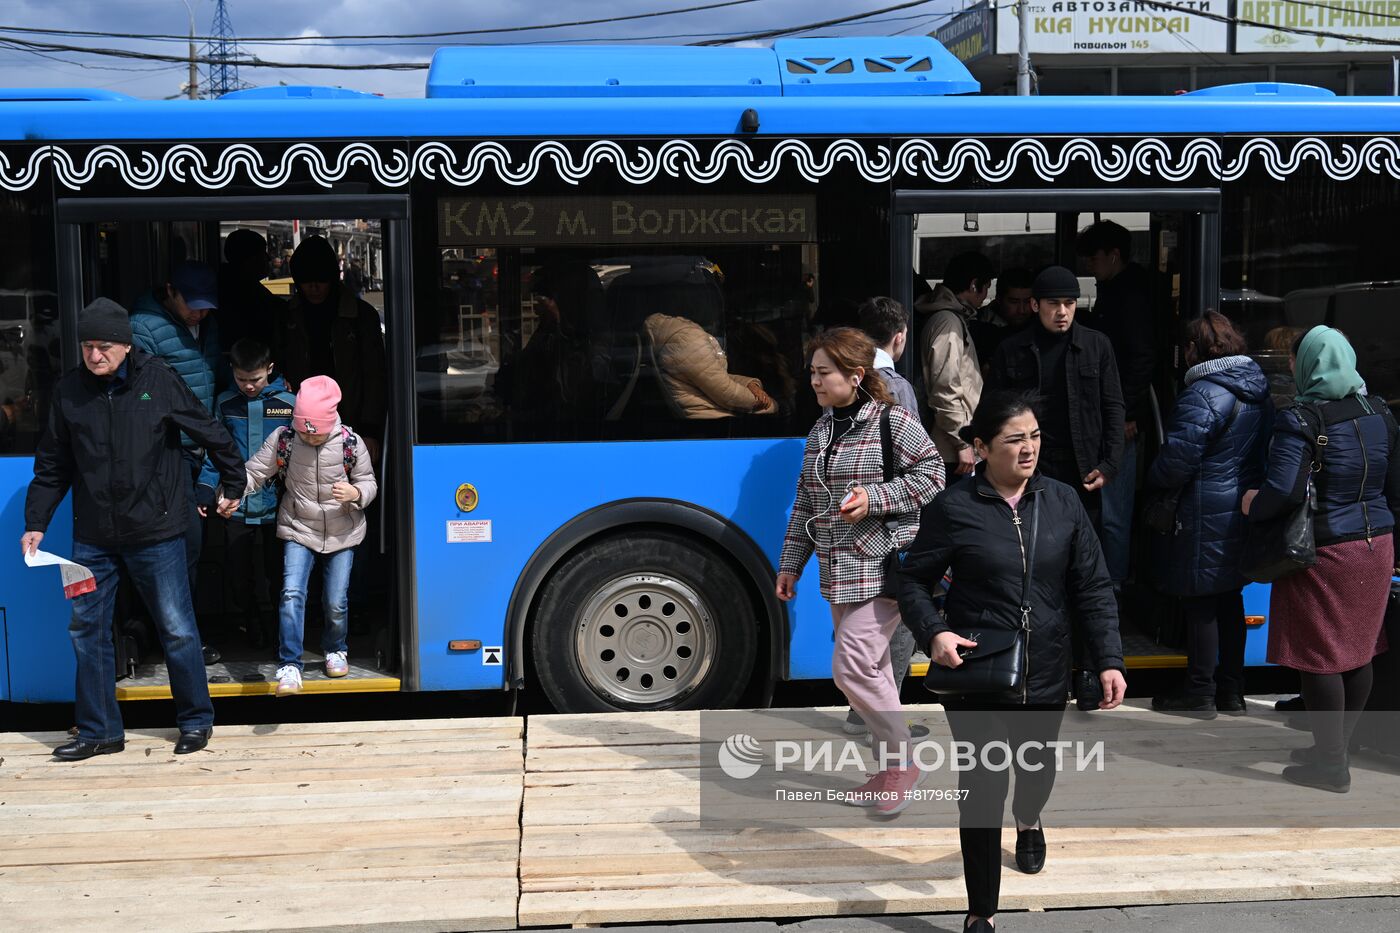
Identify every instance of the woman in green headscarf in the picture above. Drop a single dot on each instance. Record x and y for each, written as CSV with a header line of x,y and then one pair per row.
x,y
1326,621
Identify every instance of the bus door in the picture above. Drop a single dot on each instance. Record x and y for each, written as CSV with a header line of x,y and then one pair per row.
x,y
1174,239
125,249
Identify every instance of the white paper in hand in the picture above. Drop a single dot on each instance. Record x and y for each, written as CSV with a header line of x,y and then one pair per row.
x,y
77,579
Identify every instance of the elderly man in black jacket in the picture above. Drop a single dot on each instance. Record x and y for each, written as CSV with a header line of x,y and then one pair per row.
x,y
113,437
1074,371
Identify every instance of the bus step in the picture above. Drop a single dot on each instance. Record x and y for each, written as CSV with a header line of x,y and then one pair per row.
x,y
259,678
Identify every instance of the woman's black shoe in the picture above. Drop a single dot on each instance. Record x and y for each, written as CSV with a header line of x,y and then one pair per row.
x,y
1030,850
1329,777
980,925
80,750
1231,704
1201,707
1295,705
212,655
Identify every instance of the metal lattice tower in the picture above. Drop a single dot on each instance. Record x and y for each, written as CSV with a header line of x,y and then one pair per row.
x,y
222,53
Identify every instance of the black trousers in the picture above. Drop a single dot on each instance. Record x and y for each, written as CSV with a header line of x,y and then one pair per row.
x,y
245,544
1215,635
980,814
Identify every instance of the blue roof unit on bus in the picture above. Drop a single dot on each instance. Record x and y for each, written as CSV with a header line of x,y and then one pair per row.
x,y
889,66
299,92
1270,89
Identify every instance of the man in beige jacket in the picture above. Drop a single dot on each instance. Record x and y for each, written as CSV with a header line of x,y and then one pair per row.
x,y
952,374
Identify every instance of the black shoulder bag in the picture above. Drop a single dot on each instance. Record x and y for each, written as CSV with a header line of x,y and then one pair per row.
x,y
892,559
998,664
1284,544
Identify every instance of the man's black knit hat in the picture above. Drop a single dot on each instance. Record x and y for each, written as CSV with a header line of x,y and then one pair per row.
x,y
106,321
1055,282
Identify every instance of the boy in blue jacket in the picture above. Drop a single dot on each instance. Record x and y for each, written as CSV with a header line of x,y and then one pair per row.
x,y
258,404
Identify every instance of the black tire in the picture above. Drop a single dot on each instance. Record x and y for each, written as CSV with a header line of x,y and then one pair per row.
x,y
671,603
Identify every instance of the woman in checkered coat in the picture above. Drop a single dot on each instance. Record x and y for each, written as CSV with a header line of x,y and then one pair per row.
x,y
854,520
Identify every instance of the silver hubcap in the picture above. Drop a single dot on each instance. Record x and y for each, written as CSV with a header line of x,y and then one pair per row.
x,y
645,639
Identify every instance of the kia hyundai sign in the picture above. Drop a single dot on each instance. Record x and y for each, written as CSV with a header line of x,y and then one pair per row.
x,y
1116,27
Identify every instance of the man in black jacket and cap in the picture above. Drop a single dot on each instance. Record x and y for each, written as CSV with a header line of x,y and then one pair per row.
x,y
1074,371
113,438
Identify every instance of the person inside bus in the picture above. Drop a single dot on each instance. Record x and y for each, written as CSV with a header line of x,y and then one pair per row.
x,y
855,521
695,372
1072,368
113,438
978,528
1326,621
327,482
558,378
328,331
173,322
1122,311
952,374
258,405
1213,452
246,307
1004,316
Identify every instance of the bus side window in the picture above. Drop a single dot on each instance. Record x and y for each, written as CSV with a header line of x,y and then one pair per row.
x,y
31,354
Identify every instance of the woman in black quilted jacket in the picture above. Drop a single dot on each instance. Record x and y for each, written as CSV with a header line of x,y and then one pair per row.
x,y
991,528
1213,452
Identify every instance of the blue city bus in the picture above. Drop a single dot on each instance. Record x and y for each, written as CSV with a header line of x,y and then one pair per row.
x,y
589,256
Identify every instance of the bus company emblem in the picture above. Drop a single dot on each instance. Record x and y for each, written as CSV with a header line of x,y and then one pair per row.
x,y
467,497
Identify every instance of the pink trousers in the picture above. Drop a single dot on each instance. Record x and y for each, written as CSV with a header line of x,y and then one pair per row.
x,y
860,665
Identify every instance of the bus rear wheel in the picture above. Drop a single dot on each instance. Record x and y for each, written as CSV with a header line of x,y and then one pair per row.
x,y
643,622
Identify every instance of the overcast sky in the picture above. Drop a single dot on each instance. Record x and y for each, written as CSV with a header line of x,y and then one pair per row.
x,y
260,18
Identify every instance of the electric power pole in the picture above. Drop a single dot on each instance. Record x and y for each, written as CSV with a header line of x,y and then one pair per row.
x,y
222,53
192,87
1023,48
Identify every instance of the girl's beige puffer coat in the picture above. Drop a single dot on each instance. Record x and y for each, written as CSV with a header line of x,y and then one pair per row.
x,y
308,513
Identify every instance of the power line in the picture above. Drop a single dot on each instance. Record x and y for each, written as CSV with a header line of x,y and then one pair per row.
x,y
774,33
77,33
254,62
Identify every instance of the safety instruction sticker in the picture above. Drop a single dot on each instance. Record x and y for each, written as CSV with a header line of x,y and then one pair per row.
x,y
469,531
491,657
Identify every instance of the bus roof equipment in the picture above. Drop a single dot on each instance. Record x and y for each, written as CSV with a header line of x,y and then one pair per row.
x,y
887,66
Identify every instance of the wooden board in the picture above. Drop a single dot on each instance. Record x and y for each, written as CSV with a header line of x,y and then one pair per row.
x,y
612,828
403,826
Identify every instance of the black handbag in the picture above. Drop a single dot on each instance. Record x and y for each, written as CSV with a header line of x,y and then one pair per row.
x,y
998,665
1279,546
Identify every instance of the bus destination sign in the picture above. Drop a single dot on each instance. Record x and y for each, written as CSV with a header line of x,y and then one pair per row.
x,y
566,221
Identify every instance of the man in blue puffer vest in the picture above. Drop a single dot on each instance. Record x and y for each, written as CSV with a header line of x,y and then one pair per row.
x,y
172,322
258,404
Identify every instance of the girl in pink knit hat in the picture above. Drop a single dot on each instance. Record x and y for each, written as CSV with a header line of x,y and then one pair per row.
x,y
326,481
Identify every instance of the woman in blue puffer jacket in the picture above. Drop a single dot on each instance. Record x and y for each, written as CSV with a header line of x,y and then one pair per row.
x,y
1214,451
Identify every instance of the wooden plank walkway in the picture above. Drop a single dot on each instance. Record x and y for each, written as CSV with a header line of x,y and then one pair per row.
x,y
395,825
611,829
453,825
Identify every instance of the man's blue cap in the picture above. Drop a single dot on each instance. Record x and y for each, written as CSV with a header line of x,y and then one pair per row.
x,y
198,284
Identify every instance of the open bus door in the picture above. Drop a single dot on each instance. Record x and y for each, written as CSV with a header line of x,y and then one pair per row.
x,y
1176,238
120,248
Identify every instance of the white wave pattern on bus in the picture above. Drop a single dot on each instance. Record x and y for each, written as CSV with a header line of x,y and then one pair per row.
x,y
938,161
